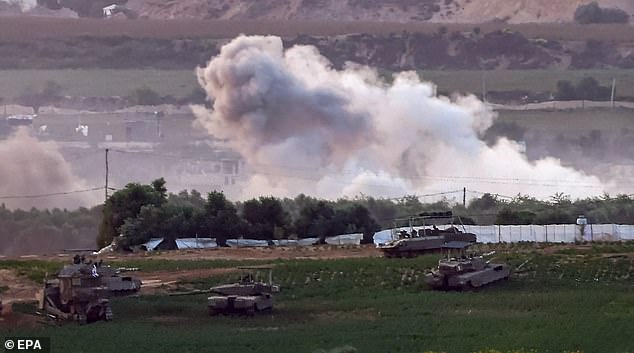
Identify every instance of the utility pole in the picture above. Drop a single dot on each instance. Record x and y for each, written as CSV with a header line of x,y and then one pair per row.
x,y
106,187
464,197
613,89
484,87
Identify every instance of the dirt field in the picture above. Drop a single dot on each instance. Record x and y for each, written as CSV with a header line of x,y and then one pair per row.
x,y
26,28
24,290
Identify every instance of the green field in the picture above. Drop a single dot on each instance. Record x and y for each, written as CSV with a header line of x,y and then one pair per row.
x,y
530,80
101,82
567,301
570,122
179,83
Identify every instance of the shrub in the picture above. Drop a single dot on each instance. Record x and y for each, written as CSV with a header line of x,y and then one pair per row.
x,y
145,96
593,13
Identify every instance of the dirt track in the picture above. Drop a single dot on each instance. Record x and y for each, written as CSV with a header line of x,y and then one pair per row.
x,y
300,252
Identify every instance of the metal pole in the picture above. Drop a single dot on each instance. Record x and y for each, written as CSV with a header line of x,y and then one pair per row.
x,y
612,95
484,87
464,197
106,187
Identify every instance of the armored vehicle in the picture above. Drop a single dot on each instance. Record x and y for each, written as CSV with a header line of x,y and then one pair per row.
x,y
117,284
248,296
111,278
76,294
465,272
423,238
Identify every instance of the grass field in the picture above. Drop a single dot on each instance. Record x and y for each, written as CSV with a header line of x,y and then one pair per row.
x,y
567,301
179,83
102,82
530,80
571,122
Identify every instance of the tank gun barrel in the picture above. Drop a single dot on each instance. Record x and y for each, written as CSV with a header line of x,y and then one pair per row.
x,y
127,269
193,292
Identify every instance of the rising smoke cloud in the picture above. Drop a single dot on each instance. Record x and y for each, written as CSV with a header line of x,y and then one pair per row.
x,y
304,127
31,167
24,4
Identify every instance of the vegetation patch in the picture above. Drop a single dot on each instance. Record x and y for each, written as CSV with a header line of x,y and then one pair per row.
x,y
553,303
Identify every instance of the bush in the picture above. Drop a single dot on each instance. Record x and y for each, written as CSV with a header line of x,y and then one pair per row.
x,y
145,96
565,90
593,13
587,89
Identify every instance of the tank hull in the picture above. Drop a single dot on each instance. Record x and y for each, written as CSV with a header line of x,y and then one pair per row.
x,y
244,304
411,247
468,280
81,309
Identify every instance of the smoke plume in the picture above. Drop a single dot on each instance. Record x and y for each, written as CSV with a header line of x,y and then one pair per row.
x,y
24,4
30,167
304,127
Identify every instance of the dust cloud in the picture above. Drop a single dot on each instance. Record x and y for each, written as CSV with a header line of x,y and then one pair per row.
x,y
29,168
304,127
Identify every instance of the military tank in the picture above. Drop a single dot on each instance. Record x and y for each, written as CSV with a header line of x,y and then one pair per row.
x,y
425,239
465,272
117,284
248,296
112,278
76,293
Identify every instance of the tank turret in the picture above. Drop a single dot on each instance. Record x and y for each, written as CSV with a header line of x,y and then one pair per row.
x,y
248,296
465,272
425,237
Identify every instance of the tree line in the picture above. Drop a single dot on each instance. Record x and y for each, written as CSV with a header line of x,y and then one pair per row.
x,y
144,211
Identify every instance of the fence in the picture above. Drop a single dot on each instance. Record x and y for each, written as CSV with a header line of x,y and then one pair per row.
x,y
553,233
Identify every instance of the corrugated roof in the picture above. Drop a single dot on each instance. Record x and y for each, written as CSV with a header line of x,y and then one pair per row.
x,y
153,243
196,243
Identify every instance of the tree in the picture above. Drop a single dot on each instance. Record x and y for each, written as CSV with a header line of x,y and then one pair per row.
x,y
316,219
127,203
49,94
409,205
484,203
565,90
508,215
359,217
588,88
588,13
145,96
187,199
167,221
220,218
264,216
593,13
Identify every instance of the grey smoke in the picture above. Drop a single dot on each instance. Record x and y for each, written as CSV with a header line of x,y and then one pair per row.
x,y
31,167
305,127
24,4
258,99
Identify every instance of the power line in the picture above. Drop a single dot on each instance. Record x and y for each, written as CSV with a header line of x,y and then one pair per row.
x,y
410,177
50,194
490,193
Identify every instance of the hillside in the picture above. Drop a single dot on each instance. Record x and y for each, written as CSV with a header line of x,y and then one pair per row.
x,y
522,11
471,11
448,11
